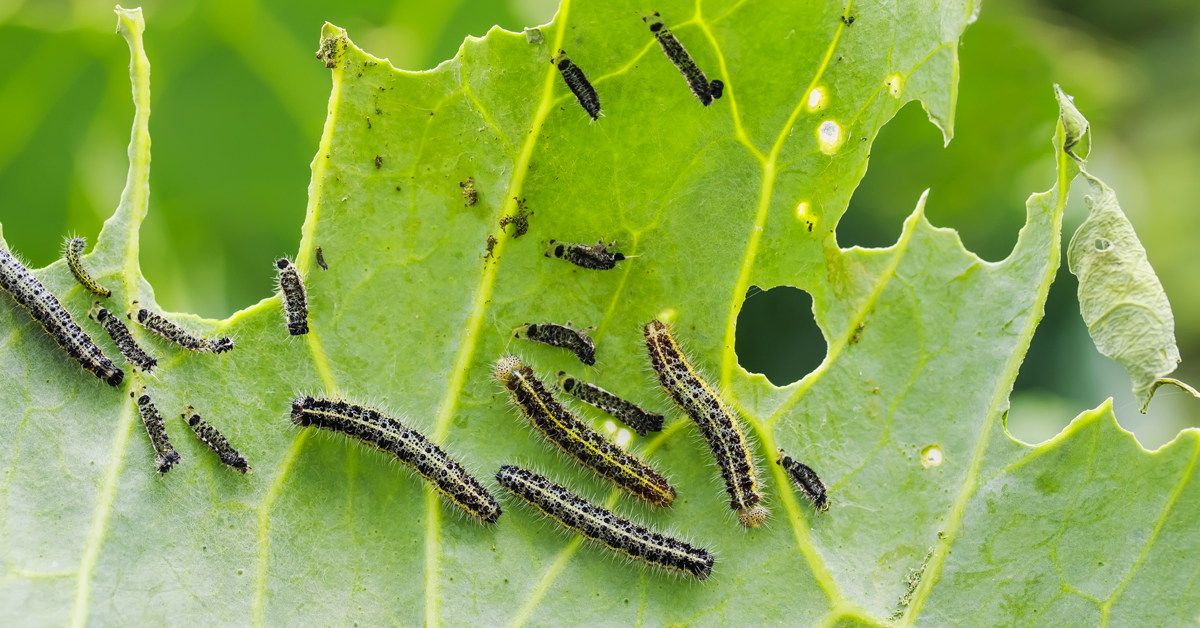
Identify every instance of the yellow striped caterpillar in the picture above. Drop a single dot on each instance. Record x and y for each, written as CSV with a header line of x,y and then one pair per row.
x,y
716,420
576,438
73,250
604,527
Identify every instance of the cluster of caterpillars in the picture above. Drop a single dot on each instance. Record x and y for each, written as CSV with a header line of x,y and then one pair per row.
x,y
56,320
705,91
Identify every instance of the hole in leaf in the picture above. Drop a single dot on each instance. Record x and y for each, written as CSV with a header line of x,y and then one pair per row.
x,y
1103,245
931,457
777,335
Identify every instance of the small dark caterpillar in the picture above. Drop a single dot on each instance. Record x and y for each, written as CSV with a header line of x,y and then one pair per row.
x,y
321,259
170,331
72,250
564,336
406,444
604,527
717,422
631,414
519,220
583,90
129,348
295,297
806,480
595,257
165,455
469,192
576,438
679,56
216,441
30,294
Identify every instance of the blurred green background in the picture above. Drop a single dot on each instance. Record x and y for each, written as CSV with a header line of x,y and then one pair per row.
x,y
239,103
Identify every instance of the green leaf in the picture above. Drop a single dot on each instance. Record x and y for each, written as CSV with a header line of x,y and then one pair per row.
x,y
1120,297
924,340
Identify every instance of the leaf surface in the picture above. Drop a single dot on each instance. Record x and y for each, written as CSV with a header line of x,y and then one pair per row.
x,y
924,340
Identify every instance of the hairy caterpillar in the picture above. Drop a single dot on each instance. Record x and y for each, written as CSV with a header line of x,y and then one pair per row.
x,y
806,480
563,336
594,257
165,455
129,348
72,250
713,416
561,427
604,527
679,56
216,441
628,412
574,78
406,444
30,294
295,297
176,334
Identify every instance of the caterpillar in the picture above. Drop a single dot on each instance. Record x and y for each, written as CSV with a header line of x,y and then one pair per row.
x,y
321,259
406,444
806,480
574,78
717,422
578,440
72,250
631,414
594,257
679,56
30,294
129,348
176,334
470,194
295,297
216,441
165,455
604,527
564,336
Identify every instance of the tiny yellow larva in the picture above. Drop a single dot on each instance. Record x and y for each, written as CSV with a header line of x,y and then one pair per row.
x,y
406,444
604,527
716,420
30,294
73,252
576,438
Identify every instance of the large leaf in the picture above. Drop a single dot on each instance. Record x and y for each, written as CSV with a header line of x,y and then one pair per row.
x,y
924,342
